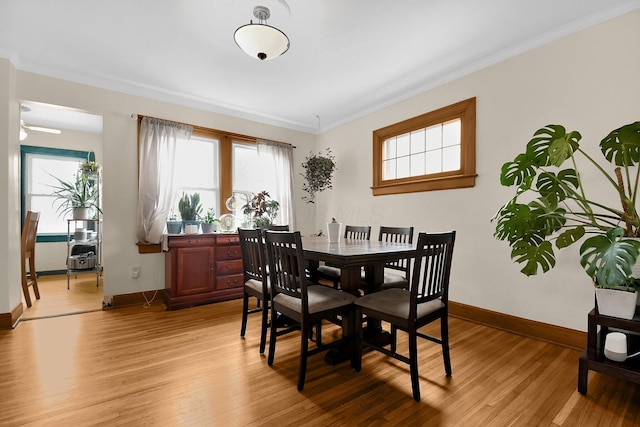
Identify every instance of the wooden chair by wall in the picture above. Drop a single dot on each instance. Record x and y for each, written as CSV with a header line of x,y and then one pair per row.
x,y
427,300
28,254
398,235
355,232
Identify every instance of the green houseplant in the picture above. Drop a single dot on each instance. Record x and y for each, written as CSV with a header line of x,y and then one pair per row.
x,y
552,205
209,221
78,197
174,226
190,210
318,173
262,209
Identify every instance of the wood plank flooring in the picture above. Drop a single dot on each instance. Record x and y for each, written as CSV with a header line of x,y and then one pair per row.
x,y
148,366
56,300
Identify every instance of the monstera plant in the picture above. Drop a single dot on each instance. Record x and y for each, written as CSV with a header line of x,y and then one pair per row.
x,y
553,209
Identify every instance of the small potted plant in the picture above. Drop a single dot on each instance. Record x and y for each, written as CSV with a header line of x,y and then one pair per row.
x,y
261,209
318,172
78,197
190,209
174,225
552,205
209,221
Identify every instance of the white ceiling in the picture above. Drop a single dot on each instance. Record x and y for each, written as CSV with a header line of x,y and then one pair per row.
x,y
347,57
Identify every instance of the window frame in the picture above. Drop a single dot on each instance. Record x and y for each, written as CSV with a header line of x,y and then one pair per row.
x,y
26,150
461,178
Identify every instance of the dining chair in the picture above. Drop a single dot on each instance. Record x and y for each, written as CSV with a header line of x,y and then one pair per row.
x,y
274,227
397,235
427,300
256,283
332,273
28,255
293,295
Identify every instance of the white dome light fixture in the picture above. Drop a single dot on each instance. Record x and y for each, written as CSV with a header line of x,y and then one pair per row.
x,y
260,40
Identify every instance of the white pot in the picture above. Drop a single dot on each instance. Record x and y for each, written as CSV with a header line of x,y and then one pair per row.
x,y
616,303
82,213
334,230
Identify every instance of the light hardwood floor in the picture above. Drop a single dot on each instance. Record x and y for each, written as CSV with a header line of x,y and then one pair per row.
x,y
148,366
56,300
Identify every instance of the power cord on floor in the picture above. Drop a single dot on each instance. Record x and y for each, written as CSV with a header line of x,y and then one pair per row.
x,y
148,302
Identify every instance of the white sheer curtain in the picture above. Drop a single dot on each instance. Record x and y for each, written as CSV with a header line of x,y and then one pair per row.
x,y
277,159
158,142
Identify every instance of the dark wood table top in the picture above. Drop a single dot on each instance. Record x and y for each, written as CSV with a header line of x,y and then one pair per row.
x,y
349,252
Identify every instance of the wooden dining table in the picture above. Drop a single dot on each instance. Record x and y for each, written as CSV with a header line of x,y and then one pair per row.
x,y
352,256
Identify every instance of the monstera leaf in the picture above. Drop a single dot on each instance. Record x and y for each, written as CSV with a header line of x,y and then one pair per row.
x,y
622,146
534,256
609,258
552,145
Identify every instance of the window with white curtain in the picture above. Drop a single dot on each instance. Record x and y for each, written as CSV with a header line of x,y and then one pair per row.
x,y
197,171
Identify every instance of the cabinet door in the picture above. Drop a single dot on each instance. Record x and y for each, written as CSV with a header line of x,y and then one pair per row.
x,y
195,270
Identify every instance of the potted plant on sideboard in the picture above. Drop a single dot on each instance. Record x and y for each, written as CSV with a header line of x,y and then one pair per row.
x,y
209,221
174,225
262,209
559,208
190,210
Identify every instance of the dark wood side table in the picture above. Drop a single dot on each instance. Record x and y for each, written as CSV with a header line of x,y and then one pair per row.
x,y
593,357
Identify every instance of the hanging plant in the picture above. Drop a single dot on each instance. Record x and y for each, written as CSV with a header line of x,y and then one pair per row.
x,y
318,172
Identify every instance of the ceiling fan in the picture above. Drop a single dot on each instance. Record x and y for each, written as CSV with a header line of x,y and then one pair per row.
x,y
24,127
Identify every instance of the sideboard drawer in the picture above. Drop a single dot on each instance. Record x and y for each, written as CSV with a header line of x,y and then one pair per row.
x,y
227,239
225,268
229,282
224,253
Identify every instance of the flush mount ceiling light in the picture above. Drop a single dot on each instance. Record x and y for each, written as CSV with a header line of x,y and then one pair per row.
x,y
260,40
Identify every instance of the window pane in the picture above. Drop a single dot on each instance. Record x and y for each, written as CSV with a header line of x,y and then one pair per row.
x,y
389,169
197,171
42,171
418,164
403,170
434,164
50,222
451,133
403,145
417,141
246,167
451,158
434,137
389,149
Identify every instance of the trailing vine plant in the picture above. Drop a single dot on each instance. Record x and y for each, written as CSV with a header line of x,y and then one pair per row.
x,y
318,172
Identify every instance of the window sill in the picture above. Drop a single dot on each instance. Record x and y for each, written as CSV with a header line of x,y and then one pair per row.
x,y
441,183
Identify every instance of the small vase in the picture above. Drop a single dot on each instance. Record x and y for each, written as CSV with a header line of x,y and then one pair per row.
x,y
207,227
334,230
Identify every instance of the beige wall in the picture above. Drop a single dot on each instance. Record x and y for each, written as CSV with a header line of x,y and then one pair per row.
x,y
587,82
10,290
119,160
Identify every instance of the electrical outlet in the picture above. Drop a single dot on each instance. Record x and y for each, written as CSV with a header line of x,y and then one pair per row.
x,y
135,271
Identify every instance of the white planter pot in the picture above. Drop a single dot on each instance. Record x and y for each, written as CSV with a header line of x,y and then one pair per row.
x,y
334,229
82,213
616,303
